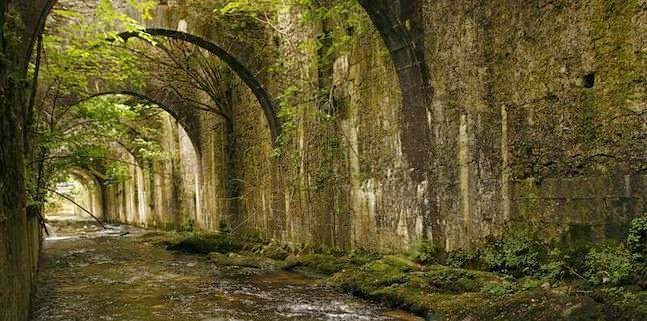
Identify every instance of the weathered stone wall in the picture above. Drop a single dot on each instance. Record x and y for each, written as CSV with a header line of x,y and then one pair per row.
x,y
19,228
181,191
506,78
91,195
527,102
161,194
535,121
20,240
511,102
565,210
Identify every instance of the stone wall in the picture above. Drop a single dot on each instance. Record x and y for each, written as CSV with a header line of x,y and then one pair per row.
x,y
183,190
566,210
153,195
91,195
509,100
19,228
453,121
526,104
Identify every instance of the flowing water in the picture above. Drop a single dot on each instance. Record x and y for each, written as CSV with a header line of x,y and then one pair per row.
x,y
88,274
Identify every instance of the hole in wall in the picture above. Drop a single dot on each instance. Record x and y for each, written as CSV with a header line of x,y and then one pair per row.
x,y
588,81
350,30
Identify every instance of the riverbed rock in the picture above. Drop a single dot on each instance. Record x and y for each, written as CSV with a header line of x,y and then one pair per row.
x,y
232,259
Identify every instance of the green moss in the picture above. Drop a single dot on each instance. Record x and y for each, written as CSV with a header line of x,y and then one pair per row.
x,y
363,257
373,277
401,283
441,292
232,259
433,291
452,280
162,238
498,289
321,264
207,243
274,252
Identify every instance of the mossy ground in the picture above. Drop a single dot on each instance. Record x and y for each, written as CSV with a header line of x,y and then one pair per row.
x,y
250,261
436,292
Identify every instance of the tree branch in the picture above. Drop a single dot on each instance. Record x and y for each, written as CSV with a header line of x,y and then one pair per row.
x,y
77,204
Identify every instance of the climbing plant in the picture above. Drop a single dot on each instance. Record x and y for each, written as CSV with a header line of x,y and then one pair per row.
x,y
91,133
79,50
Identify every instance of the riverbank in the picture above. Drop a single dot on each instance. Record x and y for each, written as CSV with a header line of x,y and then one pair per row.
x,y
416,283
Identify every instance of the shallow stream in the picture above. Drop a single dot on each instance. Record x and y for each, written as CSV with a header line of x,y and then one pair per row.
x,y
88,274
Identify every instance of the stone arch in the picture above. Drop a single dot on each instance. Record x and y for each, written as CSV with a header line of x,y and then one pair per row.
x,y
401,31
267,103
398,23
129,202
94,191
86,201
400,27
185,116
122,201
406,51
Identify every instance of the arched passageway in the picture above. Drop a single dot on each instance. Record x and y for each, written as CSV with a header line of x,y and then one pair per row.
x,y
382,125
79,197
267,103
397,25
404,47
163,191
399,30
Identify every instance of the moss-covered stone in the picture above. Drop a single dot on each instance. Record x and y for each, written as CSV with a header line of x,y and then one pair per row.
x,y
251,261
275,252
371,277
321,264
445,293
444,279
207,243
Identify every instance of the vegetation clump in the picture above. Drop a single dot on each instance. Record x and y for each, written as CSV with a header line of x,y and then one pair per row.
x,y
273,251
251,261
637,246
637,239
425,252
317,264
609,265
207,243
517,256
512,278
464,258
